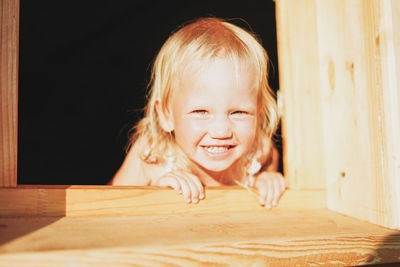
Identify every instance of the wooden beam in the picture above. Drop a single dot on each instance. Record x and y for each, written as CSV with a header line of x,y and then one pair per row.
x,y
74,201
9,30
359,58
339,69
299,87
281,237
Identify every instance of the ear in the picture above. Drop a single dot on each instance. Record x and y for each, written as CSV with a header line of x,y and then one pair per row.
x,y
165,117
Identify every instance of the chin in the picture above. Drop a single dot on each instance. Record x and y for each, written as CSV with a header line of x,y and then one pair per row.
x,y
215,168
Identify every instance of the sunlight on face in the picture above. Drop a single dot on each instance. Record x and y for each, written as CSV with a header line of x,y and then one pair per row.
x,y
214,114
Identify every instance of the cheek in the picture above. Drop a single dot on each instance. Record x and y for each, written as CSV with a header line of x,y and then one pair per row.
x,y
246,131
189,131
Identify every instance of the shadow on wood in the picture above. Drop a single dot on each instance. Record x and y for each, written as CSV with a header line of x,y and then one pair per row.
x,y
106,226
32,205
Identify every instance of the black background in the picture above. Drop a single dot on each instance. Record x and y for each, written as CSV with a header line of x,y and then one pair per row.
x,y
83,71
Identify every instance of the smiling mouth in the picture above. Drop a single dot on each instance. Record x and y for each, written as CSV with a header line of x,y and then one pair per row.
x,y
217,149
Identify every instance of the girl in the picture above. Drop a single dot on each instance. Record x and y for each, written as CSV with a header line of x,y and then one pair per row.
x,y
210,116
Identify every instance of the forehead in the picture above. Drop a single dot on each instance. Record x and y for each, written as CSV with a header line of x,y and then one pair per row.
x,y
216,72
219,79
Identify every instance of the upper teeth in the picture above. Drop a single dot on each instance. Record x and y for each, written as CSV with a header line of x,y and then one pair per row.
x,y
216,149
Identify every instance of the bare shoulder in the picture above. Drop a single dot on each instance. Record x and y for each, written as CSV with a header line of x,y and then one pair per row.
x,y
134,170
270,156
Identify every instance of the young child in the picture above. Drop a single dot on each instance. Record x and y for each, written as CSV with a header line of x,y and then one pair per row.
x,y
210,116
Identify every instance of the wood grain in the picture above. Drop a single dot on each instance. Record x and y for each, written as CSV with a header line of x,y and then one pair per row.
x,y
9,29
339,71
147,226
277,238
359,52
299,87
120,200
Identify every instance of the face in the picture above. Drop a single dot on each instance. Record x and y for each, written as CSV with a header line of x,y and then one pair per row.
x,y
214,113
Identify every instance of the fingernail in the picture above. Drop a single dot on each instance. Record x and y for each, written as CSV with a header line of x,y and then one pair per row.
x,y
262,202
274,204
188,200
201,196
268,206
195,201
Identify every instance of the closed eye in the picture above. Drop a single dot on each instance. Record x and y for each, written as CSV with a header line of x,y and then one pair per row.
x,y
200,112
240,112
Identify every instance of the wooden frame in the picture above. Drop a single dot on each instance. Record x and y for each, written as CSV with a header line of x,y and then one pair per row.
x,y
122,225
9,29
340,62
229,226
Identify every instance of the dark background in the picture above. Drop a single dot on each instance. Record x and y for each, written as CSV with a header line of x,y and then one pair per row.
x,y
83,71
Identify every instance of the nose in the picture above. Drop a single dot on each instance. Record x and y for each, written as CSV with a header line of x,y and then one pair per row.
x,y
221,128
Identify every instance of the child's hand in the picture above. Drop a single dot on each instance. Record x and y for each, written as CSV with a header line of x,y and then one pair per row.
x,y
270,186
184,183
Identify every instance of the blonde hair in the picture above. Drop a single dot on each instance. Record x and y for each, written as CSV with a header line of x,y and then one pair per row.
x,y
204,40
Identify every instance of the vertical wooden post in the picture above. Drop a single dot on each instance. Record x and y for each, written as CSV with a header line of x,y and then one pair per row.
x,y
359,52
9,30
299,86
350,50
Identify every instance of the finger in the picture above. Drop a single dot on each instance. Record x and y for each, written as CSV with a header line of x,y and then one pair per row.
x,y
283,184
194,192
270,194
282,187
186,191
277,192
199,186
170,182
262,191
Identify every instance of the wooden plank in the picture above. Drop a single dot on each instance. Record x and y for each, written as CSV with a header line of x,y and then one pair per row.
x,y
119,200
155,227
9,30
339,66
299,87
277,238
359,51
